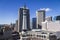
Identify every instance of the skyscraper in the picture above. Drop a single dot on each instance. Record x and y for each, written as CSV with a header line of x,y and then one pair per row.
x,y
40,18
23,17
33,23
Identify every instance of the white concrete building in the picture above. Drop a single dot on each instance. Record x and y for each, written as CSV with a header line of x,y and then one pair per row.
x,y
51,26
49,18
37,34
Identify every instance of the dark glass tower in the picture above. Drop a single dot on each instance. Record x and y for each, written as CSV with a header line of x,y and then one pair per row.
x,y
57,17
21,16
34,23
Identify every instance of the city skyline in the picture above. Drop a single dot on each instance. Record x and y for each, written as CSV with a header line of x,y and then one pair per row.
x,y
9,8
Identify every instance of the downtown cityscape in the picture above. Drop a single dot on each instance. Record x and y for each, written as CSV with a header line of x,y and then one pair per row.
x,y
25,27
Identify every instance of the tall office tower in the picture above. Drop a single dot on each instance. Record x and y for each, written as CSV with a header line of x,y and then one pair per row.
x,y
26,19
23,15
20,19
33,23
40,18
49,18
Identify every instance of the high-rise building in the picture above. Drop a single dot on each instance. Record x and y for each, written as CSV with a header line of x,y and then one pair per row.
x,y
49,18
24,17
33,23
40,18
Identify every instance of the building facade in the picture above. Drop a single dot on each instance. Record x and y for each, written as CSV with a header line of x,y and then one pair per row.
x,y
49,18
38,35
57,17
40,18
20,18
53,26
26,18
34,23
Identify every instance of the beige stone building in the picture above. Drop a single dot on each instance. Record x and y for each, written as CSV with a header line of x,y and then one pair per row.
x,y
53,26
40,14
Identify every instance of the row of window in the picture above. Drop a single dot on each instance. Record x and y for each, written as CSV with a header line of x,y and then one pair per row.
x,y
43,36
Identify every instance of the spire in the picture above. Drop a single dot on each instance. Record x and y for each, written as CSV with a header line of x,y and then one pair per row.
x,y
24,6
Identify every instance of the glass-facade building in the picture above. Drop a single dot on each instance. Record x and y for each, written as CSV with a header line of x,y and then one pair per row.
x,y
33,23
57,18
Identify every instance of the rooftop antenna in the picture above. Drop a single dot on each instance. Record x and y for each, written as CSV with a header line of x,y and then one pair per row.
x,y
24,6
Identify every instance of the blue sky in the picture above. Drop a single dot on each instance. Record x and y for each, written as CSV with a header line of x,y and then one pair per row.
x,y
9,8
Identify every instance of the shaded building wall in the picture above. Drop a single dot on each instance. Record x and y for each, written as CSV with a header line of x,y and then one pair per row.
x,y
20,19
33,23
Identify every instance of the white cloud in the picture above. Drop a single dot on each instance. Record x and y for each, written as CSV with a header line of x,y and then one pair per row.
x,y
46,9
